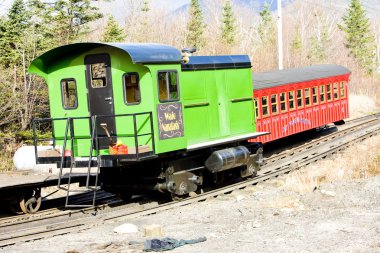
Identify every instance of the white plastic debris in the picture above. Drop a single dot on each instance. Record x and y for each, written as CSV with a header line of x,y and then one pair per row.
x,y
328,193
126,228
239,198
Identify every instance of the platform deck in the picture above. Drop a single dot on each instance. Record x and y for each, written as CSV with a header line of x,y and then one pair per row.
x,y
14,180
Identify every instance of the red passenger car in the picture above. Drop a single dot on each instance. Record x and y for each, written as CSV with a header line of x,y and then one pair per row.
x,y
295,100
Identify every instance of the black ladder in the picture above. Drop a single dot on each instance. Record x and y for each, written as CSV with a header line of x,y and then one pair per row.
x,y
72,161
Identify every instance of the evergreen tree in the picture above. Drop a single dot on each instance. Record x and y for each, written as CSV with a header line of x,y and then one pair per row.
x,y
319,43
19,45
228,28
267,34
144,22
69,19
113,32
359,38
266,27
13,31
145,8
195,27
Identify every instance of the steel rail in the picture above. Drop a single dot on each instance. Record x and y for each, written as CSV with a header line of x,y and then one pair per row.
x,y
343,130
19,222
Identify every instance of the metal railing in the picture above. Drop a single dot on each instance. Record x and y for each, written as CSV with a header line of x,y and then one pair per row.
x,y
94,138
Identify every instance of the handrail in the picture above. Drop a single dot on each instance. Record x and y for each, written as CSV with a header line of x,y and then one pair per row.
x,y
63,154
196,104
233,100
94,138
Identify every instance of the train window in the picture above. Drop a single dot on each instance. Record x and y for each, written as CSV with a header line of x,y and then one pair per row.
x,y
98,75
291,100
322,93
273,100
299,99
336,90
283,101
69,93
168,86
328,91
315,94
131,88
264,106
257,108
307,97
342,90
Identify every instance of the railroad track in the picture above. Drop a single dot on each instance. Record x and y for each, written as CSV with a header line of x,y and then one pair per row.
x,y
69,221
56,207
327,135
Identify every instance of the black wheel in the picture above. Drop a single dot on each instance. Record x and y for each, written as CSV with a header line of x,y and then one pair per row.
x,y
14,206
219,178
125,196
31,202
176,197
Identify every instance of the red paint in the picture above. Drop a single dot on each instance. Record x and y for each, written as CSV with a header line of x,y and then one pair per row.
x,y
288,122
118,150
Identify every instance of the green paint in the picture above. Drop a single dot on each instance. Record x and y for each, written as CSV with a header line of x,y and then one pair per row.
x,y
215,104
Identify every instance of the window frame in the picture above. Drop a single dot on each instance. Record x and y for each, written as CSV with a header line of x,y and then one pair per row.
x,y
342,88
315,95
308,97
257,107
158,86
302,98
105,77
329,92
76,94
336,92
291,100
276,104
283,102
125,87
322,93
267,106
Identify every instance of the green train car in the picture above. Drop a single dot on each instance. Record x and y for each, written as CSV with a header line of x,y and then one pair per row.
x,y
148,116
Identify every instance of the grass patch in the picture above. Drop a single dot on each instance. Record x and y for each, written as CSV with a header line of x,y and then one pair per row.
x,y
359,161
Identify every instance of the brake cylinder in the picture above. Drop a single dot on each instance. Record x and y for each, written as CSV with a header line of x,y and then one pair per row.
x,y
227,158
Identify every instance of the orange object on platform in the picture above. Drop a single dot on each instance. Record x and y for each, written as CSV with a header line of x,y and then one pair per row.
x,y
113,150
118,150
122,150
67,152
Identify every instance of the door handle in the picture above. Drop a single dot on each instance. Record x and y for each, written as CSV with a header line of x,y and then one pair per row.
x,y
108,99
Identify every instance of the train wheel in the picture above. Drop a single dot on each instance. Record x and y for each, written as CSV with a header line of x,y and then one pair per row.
x,y
176,197
31,202
14,206
125,196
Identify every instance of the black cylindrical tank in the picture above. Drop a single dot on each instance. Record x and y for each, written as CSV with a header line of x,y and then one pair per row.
x,y
227,158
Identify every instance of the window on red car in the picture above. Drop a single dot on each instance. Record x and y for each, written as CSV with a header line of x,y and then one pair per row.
x,y
264,106
283,101
299,98
291,100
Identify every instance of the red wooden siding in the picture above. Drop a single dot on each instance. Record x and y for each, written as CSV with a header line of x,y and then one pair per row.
x,y
316,103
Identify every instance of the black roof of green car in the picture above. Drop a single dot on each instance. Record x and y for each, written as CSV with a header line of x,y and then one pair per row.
x,y
217,62
140,53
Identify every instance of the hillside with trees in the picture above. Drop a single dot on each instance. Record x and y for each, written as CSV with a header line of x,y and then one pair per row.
x,y
313,33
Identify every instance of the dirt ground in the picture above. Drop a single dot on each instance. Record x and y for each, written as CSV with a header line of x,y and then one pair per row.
x,y
330,206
